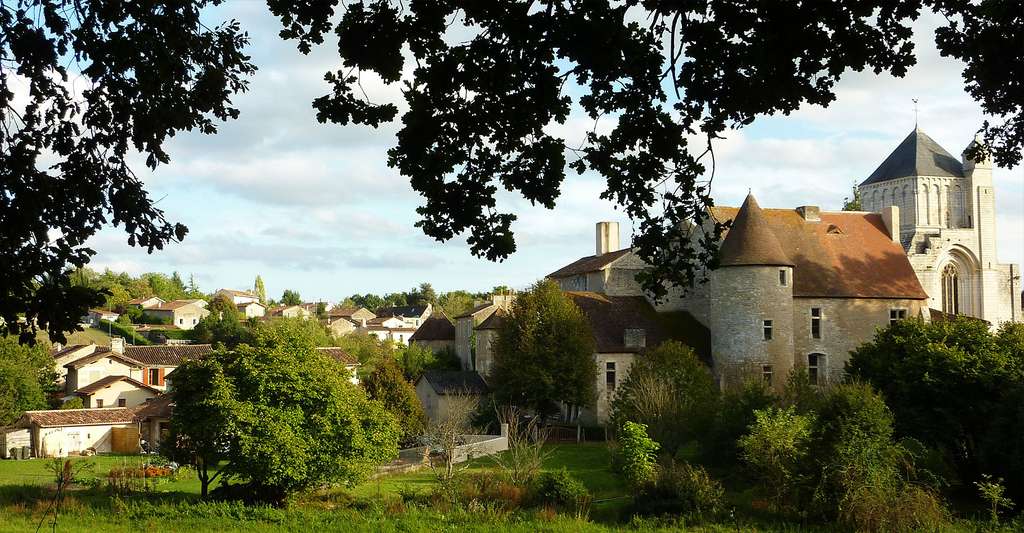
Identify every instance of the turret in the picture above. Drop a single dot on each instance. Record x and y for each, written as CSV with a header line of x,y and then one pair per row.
x,y
753,294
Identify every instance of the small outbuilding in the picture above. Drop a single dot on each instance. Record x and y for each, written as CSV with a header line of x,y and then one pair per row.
x,y
64,432
435,389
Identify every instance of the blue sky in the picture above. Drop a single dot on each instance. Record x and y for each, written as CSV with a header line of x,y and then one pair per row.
x,y
315,208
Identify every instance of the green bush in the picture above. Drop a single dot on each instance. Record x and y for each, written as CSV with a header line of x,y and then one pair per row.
x,y
561,489
683,489
637,454
129,334
776,449
736,408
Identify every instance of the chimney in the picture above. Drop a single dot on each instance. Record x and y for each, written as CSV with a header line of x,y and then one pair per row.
x,y
811,213
607,237
117,344
891,219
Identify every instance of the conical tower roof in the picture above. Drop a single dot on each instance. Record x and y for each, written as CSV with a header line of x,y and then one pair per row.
x,y
917,155
750,241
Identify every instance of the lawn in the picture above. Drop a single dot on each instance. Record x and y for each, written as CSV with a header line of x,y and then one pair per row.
x,y
88,336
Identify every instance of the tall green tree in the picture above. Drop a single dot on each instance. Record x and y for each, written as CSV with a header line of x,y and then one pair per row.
x,y
852,202
544,353
26,378
260,289
675,77
290,297
388,385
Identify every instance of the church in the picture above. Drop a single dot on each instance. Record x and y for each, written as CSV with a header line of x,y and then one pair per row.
x,y
802,287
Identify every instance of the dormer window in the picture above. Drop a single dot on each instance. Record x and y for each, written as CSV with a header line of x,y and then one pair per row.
x,y
634,338
834,230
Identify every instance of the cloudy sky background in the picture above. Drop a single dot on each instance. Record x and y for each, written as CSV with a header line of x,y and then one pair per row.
x,y
315,208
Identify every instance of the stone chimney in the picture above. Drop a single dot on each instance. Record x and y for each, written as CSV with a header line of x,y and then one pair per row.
x,y
607,237
811,213
117,344
891,219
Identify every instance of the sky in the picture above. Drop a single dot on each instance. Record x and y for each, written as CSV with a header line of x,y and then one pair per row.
x,y
314,208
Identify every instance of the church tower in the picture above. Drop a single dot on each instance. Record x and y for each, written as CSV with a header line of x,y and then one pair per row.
x,y
947,227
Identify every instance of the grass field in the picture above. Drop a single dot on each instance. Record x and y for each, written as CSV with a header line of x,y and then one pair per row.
x,y
376,505
90,335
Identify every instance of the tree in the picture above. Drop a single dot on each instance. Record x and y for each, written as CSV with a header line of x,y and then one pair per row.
x,y
260,289
424,295
852,203
672,77
671,392
638,454
387,385
955,386
290,297
445,434
455,303
777,448
26,377
255,415
415,359
544,353
64,169
222,326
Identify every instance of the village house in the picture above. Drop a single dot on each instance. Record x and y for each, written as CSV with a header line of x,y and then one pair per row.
x,y
94,316
182,314
145,302
387,328
251,309
59,433
237,297
147,365
353,314
343,357
436,333
437,388
289,311
116,391
466,323
413,315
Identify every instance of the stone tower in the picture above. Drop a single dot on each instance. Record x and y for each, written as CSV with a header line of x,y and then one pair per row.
x,y
947,227
752,293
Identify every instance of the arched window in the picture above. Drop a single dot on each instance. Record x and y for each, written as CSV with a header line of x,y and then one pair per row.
x,y
950,290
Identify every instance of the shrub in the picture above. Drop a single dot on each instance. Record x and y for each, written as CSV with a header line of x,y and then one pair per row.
x,y
681,488
775,449
734,415
73,403
494,489
637,452
561,488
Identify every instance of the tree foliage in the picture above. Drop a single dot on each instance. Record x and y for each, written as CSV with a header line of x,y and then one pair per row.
x,y
544,353
387,385
260,289
147,73
26,377
290,297
488,79
638,453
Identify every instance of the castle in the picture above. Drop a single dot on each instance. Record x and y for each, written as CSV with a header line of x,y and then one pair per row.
x,y
804,287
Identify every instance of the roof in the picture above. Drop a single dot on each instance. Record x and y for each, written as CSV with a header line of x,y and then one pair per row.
x,y
346,312
102,311
158,407
233,292
67,350
435,328
591,263
493,321
938,315
750,241
917,155
80,417
167,354
140,301
407,311
455,381
611,316
339,355
100,353
847,254
103,383
243,305
172,305
477,309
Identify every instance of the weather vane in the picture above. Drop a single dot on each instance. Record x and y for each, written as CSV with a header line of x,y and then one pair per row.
x,y
915,112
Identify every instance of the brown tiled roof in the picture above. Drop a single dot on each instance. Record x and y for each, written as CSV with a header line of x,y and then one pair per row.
x,y
139,301
455,381
750,241
435,328
942,316
857,259
68,350
103,383
159,407
80,417
172,305
477,309
611,316
591,263
345,311
100,353
239,293
167,354
339,355
493,321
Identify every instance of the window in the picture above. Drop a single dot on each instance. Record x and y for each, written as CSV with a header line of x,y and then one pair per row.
x,y
815,367
895,315
609,376
950,290
154,376
815,322
181,321
194,321
766,373
767,328
121,402
783,277
99,402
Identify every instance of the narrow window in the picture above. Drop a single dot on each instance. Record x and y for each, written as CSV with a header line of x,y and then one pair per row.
x,y
767,327
609,376
99,402
815,322
815,367
121,402
783,277
766,373
154,376
895,315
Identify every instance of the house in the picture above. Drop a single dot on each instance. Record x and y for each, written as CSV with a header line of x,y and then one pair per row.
x,y
340,326
436,389
354,314
67,354
343,357
86,364
145,302
182,314
436,333
98,365
251,309
413,315
94,316
237,297
387,328
486,333
116,391
60,433
466,323
158,361
289,311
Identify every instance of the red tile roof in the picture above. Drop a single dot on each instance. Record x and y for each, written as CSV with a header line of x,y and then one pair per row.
x,y
100,353
167,354
339,355
80,417
159,407
68,350
591,263
845,255
103,383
